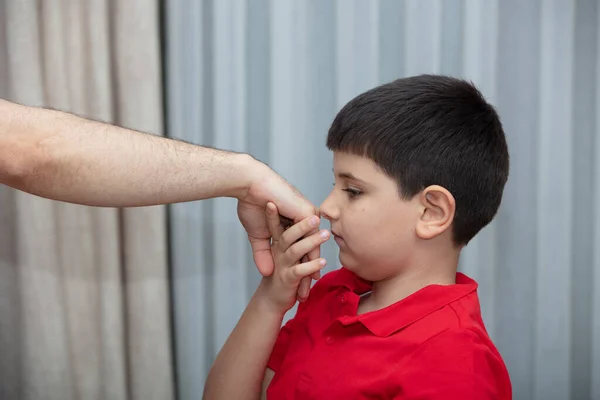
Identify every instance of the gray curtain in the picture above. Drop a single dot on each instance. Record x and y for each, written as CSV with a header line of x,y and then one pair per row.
x,y
83,291
267,77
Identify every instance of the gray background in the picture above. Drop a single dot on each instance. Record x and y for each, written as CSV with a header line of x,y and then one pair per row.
x,y
267,77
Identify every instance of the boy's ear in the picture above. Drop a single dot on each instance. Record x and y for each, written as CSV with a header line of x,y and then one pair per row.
x,y
437,207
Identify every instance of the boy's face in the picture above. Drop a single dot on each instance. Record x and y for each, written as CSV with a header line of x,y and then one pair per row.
x,y
373,227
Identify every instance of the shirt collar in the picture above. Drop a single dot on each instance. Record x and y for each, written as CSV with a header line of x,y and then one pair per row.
x,y
391,319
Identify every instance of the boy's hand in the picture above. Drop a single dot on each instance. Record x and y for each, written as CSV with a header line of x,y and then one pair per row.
x,y
279,290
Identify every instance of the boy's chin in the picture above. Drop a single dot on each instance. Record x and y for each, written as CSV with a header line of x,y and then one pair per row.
x,y
355,268
348,261
362,268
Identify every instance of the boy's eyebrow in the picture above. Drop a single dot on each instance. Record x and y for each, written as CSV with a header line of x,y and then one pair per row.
x,y
348,175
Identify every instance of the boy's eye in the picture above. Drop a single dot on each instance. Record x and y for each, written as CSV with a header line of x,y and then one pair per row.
x,y
352,192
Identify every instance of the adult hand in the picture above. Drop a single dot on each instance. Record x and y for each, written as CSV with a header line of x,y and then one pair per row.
x,y
64,157
269,186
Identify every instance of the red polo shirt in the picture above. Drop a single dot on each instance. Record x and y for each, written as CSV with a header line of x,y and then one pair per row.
x,y
430,345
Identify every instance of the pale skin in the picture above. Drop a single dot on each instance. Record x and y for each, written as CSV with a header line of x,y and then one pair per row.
x,y
244,356
63,157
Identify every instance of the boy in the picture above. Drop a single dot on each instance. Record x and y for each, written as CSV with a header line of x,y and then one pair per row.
x,y
420,165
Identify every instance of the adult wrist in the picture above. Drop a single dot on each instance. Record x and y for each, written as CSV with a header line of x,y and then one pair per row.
x,y
246,171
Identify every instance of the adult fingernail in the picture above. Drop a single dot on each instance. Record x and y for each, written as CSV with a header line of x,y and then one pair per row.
x,y
314,221
322,263
324,234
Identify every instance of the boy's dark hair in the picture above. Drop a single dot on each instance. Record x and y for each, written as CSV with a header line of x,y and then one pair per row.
x,y
431,130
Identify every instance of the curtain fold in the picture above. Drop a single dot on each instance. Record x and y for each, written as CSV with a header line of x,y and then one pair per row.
x,y
85,290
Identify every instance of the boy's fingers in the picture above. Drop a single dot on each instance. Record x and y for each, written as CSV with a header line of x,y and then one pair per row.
x,y
304,288
301,229
299,249
314,253
273,221
306,269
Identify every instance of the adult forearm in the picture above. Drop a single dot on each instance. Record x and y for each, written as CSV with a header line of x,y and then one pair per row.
x,y
64,157
240,366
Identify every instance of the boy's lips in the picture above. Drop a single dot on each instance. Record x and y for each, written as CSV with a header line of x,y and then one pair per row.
x,y
338,239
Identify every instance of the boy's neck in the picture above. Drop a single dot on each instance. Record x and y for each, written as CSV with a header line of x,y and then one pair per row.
x,y
412,279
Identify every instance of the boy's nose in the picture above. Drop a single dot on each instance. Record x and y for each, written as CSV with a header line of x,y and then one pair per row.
x,y
328,210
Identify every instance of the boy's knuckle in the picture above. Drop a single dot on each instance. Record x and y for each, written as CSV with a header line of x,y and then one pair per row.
x,y
292,273
292,253
297,272
307,226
